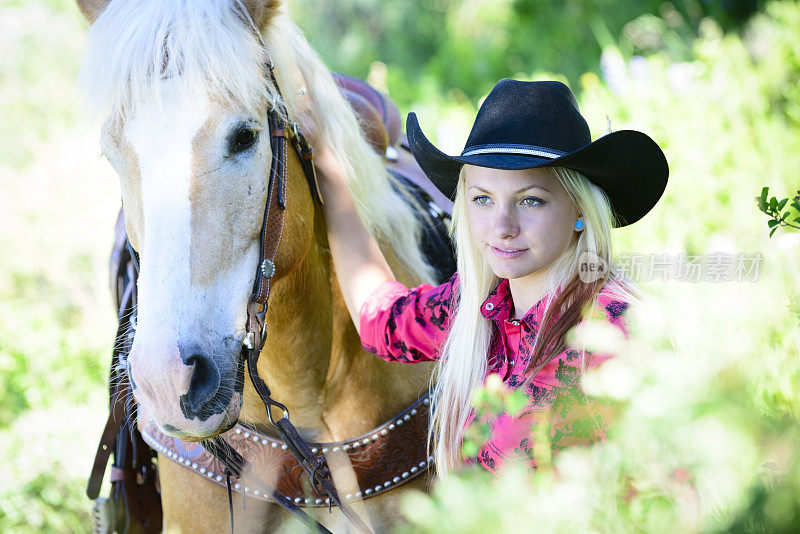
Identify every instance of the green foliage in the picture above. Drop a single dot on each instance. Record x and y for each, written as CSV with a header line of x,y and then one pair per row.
x,y
789,218
58,206
493,398
694,448
467,45
41,63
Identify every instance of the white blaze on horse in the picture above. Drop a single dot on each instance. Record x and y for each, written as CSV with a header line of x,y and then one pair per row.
x,y
181,87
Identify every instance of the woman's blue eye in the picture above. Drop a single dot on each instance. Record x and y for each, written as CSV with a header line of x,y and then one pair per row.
x,y
532,201
481,200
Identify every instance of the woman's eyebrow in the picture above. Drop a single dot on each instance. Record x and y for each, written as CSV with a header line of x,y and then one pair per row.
x,y
518,191
531,187
479,188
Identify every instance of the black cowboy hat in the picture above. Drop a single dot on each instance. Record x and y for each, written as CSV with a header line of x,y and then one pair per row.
x,y
524,125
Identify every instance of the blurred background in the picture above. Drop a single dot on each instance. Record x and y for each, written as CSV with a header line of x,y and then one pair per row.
x,y
709,436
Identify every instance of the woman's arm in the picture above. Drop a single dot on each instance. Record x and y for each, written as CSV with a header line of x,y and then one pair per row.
x,y
359,264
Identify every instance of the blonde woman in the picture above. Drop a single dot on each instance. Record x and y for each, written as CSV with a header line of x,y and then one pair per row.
x,y
535,202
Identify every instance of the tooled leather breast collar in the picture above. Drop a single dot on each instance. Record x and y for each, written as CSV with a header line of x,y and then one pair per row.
x,y
382,459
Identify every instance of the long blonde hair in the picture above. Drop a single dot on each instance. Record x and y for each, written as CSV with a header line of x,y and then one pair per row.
x,y
464,354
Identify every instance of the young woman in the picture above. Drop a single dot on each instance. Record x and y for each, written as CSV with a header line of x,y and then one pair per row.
x,y
535,202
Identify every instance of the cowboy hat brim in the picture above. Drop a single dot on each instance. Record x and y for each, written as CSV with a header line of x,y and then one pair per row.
x,y
628,165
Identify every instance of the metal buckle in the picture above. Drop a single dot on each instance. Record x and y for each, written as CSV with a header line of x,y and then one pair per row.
x,y
259,312
249,341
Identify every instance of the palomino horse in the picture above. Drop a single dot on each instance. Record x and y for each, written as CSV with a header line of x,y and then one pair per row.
x,y
182,88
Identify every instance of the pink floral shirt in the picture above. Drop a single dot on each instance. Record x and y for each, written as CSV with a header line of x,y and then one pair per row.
x,y
410,325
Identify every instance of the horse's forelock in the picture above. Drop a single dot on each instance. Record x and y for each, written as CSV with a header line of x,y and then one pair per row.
x,y
210,46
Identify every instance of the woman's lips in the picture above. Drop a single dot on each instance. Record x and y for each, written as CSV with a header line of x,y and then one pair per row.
x,y
507,252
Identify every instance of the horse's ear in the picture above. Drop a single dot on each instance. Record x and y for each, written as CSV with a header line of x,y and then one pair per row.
x,y
261,11
91,9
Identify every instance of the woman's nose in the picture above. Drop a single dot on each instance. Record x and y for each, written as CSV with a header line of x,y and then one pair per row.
x,y
506,224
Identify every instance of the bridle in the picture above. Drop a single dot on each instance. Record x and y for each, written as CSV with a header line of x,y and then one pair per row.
x,y
315,467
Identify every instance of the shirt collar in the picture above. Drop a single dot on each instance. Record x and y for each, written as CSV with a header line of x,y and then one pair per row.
x,y
497,306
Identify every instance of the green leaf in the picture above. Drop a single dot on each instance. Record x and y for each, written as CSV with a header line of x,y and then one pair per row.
x,y
782,203
773,231
470,448
773,204
797,219
772,223
764,193
516,401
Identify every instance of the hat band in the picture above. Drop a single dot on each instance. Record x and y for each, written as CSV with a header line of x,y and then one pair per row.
x,y
527,150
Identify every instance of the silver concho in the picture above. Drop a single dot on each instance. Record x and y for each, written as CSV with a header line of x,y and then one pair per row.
x,y
267,268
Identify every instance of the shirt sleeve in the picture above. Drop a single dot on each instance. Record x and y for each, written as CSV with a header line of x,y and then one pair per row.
x,y
407,325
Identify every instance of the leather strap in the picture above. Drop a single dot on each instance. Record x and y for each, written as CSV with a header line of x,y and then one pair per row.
x,y
134,506
121,475
107,442
118,394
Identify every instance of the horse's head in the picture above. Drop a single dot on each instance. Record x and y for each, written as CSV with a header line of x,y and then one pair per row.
x,y
182,85
187,133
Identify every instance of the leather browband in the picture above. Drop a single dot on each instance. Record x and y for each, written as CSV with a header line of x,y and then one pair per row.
x,y
382,459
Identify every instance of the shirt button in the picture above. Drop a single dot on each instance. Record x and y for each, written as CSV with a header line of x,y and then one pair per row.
x,y
511,363
489,306
515,322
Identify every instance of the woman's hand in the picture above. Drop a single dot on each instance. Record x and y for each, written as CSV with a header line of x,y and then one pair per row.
x,y
328,170
357,260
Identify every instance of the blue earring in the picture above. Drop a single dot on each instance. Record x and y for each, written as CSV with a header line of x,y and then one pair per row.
x,y
578,225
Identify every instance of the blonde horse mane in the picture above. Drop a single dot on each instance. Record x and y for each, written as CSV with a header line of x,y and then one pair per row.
x,y
213,46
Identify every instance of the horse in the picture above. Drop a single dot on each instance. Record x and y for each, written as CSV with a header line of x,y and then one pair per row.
x,y
182,93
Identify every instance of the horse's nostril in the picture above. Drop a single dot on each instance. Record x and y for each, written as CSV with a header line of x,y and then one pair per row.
x,y
203,387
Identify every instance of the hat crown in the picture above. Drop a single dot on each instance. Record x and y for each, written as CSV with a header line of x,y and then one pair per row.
x,y
538,114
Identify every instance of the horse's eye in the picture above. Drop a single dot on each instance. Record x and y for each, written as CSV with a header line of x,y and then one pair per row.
x,y
245,138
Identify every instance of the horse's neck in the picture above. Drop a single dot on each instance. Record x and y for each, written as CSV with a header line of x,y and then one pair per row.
x,y
313,361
